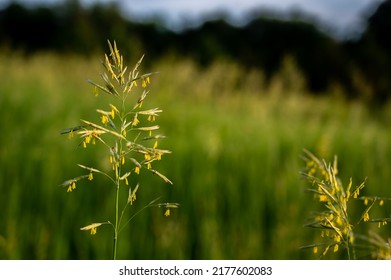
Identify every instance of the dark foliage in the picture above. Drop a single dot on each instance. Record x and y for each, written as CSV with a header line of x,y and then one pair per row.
x,y
262,43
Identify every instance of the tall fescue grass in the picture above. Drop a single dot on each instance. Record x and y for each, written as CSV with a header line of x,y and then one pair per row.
x,y
237,143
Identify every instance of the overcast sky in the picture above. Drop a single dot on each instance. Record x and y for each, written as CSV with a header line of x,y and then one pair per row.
x,y
340,14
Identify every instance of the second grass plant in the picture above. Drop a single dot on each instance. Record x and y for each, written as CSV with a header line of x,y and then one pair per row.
x,y
338,230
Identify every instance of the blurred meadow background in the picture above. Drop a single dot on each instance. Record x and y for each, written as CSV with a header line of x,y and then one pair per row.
x,y
240,103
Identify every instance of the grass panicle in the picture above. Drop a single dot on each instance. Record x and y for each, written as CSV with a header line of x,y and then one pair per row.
x,y
126,133
337,229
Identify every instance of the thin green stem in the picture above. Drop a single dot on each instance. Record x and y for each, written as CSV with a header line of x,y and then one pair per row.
x,y
117,185
151,204
116,222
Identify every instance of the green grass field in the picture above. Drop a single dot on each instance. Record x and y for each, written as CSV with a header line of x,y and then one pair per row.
x,y
237,147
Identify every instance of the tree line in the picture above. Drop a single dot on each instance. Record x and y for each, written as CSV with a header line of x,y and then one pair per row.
x,y
360,66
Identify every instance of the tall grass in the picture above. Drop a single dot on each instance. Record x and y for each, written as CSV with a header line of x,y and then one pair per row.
x,y
236,164
125,138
